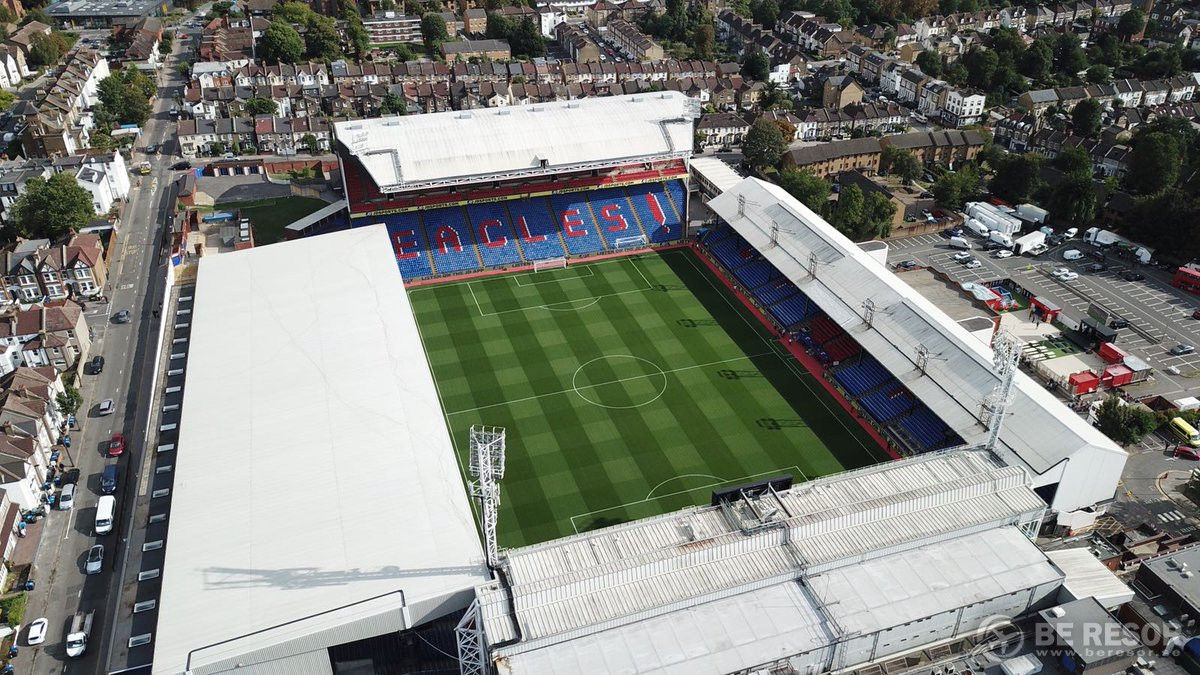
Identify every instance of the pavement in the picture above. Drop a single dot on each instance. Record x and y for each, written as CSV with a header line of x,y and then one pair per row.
x,y
135,283
1160,314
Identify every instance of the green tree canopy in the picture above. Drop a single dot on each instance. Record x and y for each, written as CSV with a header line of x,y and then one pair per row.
x,y
1154,162
1131,23
322,42
764,12
280,43
900,162
1099,74
930,63
1085,118
433,31
260,105
125,96
1074,161
1016,178
756,66
46,50
1074,200
955,188
1125,424
52,208
310,143
811,190
764,144
392,104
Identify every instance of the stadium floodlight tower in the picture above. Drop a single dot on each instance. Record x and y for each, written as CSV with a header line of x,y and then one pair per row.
x,y
487,468
1006,353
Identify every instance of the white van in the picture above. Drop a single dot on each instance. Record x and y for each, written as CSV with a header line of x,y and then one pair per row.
x,y
1072,254
959,242
105,510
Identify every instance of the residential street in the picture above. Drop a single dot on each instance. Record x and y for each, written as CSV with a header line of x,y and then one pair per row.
x,y
135,284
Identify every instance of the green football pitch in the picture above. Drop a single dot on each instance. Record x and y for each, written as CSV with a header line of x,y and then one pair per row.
x,y
629,387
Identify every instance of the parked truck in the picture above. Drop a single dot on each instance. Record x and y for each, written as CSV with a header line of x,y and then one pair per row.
x,y
1001,238
976,227
77,637
1031,213
1027,243
1099,237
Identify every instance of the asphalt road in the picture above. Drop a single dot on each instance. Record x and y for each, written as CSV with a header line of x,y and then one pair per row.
x,y
135,283
1159,313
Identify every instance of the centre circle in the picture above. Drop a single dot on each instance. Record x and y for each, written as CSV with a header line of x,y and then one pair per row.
x,y
619,381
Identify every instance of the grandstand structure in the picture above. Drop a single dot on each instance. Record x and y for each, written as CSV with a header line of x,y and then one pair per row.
x,y
467,191
896,355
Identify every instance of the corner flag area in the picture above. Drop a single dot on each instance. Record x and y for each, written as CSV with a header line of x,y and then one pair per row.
x,y
629,387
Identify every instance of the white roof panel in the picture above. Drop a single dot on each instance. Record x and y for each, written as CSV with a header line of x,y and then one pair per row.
x,y
315,469
413,150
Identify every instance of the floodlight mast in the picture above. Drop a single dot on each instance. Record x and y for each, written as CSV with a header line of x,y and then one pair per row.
x,y
487,468
1006,354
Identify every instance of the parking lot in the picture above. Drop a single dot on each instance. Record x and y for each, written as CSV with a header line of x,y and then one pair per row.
x,y
1159,314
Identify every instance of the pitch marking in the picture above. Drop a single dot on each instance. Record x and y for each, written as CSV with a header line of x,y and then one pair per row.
x,y
619,356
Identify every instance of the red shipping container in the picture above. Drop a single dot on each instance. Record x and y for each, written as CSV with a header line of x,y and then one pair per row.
x,y
1111,353
1084,383
1117,375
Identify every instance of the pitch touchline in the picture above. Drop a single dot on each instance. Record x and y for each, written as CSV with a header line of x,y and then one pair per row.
x,y
601,384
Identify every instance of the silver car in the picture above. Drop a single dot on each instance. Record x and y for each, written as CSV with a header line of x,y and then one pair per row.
x,y
106,407
95,559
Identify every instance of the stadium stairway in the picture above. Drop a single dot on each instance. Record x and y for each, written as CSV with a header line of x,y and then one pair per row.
x,y
613,211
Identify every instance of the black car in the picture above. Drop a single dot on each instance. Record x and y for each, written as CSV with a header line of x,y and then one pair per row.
x,y
70,477
152,149
1133,276
1118,323
121,316
906,264
97,365
179,166
1097,267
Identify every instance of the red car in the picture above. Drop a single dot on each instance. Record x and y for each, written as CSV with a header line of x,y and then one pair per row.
x,y
1184,452
117,445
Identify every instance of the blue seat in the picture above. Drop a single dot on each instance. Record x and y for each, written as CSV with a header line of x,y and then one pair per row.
x,y
713,236
756,273
614,215
859,376
451,244
655,212
792,310
928,430
497,245
677,191
408,242
579,229
537,233
887,403
775,291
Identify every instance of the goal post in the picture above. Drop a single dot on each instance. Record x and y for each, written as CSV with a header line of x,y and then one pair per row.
x,y
627,242
549,264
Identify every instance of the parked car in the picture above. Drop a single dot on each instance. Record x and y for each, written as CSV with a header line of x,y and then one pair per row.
x,y
1066,275
907,264
1184,452
66,498
95,559
106,407
1118,323
1003,253
1072,254
1097,267
152,149
1133,276
116,445
121,316
1181,349
180,166
962,256
973,264
97,365
36,634
1196,314
1071,232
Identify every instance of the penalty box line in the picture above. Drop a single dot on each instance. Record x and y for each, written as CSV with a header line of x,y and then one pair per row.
x,y
553,278
745,479
590,299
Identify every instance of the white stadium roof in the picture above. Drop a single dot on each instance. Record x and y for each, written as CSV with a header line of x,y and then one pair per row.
x,y
316,484
713,589
1040,433
414,151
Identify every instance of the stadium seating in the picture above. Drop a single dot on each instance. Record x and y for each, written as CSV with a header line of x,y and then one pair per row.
x,y
537,234
756,273
678,194
775,291
655,212
861,375
927,430
824,330
579,228
886,403
842,348
497,245
792,310
450,240
408,241
457,239
615,216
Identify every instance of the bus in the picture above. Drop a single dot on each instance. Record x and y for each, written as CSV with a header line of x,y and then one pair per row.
x,y
1187,278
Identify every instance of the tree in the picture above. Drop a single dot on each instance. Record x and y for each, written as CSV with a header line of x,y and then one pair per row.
x,y
1130,24
764,12
1167,221
293,12
46,50
166,43
51,208
764,144
280,43
1099,74
756,66
704,40
954,188
125,96
1085,118
310,143
525,39
900,162
433,31
1074,200
811,190
930,63
1074,161
7,98
356,34
1125,424
321,39
1069,57
1153,163
392,104
1037,60
217,148
260,105
1016,178
848,213
69,400
981,67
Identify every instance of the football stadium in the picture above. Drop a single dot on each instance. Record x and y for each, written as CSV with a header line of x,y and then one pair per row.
x,y
730,444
